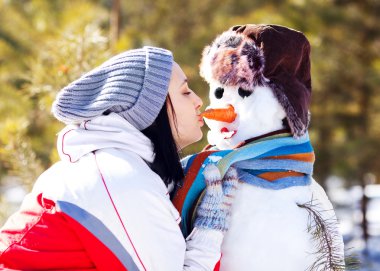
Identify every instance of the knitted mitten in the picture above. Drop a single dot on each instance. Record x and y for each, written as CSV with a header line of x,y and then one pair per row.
x,y
214,210
230,183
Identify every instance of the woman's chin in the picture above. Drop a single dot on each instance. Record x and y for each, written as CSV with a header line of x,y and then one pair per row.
x,y
199,137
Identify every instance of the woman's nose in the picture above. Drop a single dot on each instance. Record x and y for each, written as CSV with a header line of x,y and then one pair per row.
x,y
198,102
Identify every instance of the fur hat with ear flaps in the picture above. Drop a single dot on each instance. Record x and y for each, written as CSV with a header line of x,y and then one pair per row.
x,y
264,55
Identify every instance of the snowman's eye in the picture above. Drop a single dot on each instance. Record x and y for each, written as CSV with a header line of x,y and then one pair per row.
x,y
219,93
244,93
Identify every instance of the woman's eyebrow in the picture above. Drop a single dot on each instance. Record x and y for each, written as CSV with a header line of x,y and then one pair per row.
x,y
184,82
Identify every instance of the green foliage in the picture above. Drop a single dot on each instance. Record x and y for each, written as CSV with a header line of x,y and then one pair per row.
x,y
65,43
47,45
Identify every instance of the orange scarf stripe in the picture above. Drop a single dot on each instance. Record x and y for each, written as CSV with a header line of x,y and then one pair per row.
x,y
273,176
180,197
303,157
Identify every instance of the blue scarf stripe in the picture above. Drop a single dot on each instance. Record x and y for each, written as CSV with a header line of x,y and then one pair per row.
x,y
285,150
273,164
275,185
257,149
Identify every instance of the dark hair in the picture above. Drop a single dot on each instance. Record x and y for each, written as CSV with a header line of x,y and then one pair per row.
x,y
167,160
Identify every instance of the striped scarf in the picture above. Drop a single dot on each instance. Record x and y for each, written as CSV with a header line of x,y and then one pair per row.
x,y
274,162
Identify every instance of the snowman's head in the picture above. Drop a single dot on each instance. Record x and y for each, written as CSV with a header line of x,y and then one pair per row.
x,y
256,85
257,112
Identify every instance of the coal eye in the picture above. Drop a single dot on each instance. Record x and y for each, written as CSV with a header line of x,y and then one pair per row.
x,y
219,93
244,93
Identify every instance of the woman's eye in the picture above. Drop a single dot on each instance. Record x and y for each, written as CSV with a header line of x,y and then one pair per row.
x,y
219,93
244,93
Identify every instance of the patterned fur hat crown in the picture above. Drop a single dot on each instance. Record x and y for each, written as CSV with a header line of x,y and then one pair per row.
x,y
264,55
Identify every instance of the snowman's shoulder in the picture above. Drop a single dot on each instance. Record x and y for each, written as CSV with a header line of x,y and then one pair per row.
x,y
317,189
319,194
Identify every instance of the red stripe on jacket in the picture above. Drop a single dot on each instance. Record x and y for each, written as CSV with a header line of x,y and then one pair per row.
x,y
38,237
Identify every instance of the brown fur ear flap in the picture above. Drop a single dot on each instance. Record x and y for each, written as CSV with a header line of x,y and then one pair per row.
x,y
233,60
254,57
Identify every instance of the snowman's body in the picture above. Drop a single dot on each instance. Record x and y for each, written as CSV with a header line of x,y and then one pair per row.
x,y
269,231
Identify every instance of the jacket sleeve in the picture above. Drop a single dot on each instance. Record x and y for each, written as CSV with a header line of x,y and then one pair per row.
x,y
203,249
152,223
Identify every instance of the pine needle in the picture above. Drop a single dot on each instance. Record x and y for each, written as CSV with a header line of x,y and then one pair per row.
x,y
326,236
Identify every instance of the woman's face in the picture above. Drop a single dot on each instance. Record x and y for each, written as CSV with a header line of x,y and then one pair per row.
x,y
186,105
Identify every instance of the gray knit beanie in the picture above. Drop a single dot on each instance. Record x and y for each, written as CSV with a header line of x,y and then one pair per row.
x,y
133,84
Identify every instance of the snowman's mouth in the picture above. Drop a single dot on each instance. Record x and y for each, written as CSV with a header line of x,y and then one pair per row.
x,y
227,134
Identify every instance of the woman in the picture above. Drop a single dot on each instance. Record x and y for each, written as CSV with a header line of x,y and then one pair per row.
x,y
105,205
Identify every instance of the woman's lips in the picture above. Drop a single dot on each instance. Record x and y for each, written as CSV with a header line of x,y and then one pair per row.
x,y
201,121
227,133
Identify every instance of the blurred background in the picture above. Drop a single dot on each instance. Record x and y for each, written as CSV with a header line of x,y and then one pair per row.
x,y
45,44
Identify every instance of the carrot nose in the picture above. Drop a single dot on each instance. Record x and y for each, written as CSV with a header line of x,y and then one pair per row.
x,y
221,114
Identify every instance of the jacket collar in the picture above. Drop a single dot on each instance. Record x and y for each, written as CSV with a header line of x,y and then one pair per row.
x,y
106,131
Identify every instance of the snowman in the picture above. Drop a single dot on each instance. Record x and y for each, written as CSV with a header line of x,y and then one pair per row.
x,y
260,88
